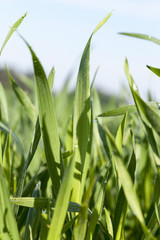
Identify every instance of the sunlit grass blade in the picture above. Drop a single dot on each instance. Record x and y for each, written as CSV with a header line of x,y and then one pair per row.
x,y
41,202
121,206
11,31
128,108
23,98
3,105
8,225
127,183
120,133
154,70
61,205
147,113
82,113
51,78
48,123
142,36
7,160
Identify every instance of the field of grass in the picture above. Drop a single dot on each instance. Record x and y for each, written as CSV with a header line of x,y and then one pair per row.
x,y
70,170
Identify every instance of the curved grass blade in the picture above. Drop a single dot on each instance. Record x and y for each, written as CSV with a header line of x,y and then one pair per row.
x,y
127,184
82,113
129,108
8,225
149,116
142,36
12,29
23,98
48,123
154,70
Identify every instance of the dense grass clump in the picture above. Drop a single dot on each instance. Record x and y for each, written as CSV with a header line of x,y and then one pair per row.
x,y
69,171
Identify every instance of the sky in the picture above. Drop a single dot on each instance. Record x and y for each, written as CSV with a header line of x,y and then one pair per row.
x,y
58,31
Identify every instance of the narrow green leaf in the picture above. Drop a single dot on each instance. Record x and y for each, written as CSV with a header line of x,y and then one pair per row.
x,y
51,78
12,29
8,225
33,218
154,70
142,36
5,128
48,123
120,133
3,105
129,108
61,205
82,113
23,98
7,160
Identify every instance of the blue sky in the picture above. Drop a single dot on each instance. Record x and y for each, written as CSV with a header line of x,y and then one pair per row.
x,y
59,29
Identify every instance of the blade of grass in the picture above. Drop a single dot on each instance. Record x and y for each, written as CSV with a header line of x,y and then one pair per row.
x,y
8,225
7,160
154,70
61,205
82,113
12,29
129,108
23,98
142,36
3,105
48,123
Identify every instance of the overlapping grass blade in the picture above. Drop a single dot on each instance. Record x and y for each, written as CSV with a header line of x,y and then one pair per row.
x,y
51,78
82,113
4,128
11,31
8,225
7,160
33,218
23,98
142,36
128,108
127,183
48,123
61,205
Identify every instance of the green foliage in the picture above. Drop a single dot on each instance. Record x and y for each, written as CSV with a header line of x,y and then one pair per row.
x,y
69,171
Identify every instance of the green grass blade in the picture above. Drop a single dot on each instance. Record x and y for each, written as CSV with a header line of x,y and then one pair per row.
x,y
33,218
82,113
3,105
23,98
121,206
147,113
7,160
51,78
48,123
120,133
61,205
127,183
142,36
154,70
4,128
129,108
8,225
12,29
